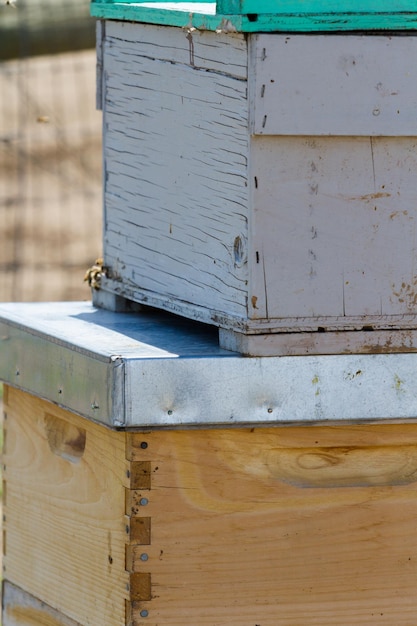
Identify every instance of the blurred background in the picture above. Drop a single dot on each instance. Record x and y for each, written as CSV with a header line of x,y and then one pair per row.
x,y
50,150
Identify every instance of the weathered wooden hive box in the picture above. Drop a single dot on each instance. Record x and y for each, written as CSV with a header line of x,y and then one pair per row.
x,y
259,167
130,501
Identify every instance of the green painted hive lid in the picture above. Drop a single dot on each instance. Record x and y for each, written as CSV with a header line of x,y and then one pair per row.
x,y
267,15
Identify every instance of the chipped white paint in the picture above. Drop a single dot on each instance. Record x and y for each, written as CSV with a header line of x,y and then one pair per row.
x,y
310,223
334,227
175,151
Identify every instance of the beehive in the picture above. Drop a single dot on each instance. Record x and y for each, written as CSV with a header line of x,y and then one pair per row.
x,y
150,478
225,527
263,181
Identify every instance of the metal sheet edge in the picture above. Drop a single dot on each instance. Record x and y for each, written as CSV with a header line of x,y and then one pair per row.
x,y
91,387
272,391
141,392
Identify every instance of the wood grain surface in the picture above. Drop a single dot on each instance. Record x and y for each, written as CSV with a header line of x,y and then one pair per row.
x,y
64,510
175,159
219,527
295,526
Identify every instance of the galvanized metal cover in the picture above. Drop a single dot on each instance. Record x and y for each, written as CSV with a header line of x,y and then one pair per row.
x,y
147,370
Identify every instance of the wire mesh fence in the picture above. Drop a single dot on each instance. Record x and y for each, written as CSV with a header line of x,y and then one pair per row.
x,y
50,150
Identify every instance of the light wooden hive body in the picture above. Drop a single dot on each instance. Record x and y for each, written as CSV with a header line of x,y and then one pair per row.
x,y
226,527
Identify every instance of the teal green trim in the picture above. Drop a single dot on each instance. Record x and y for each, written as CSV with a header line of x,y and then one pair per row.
x,y
149,15
232,7
203,17
298,7
168,7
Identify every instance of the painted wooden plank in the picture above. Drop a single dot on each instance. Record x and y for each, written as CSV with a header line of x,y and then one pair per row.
x,y
357,85
175,152
305,343
167,5
314,6
65,528
202,51
197,15
333,233
279,526
273,7
206,18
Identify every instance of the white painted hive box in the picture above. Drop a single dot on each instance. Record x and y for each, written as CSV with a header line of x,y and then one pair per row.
x,y
263,182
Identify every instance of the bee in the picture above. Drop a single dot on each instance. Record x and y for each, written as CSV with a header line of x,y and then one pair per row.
x,y
10,3
94,273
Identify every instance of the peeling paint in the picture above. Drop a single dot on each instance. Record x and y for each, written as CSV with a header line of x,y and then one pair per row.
x,y
226,26
352,375
398,383
406,293
395,214
371,196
